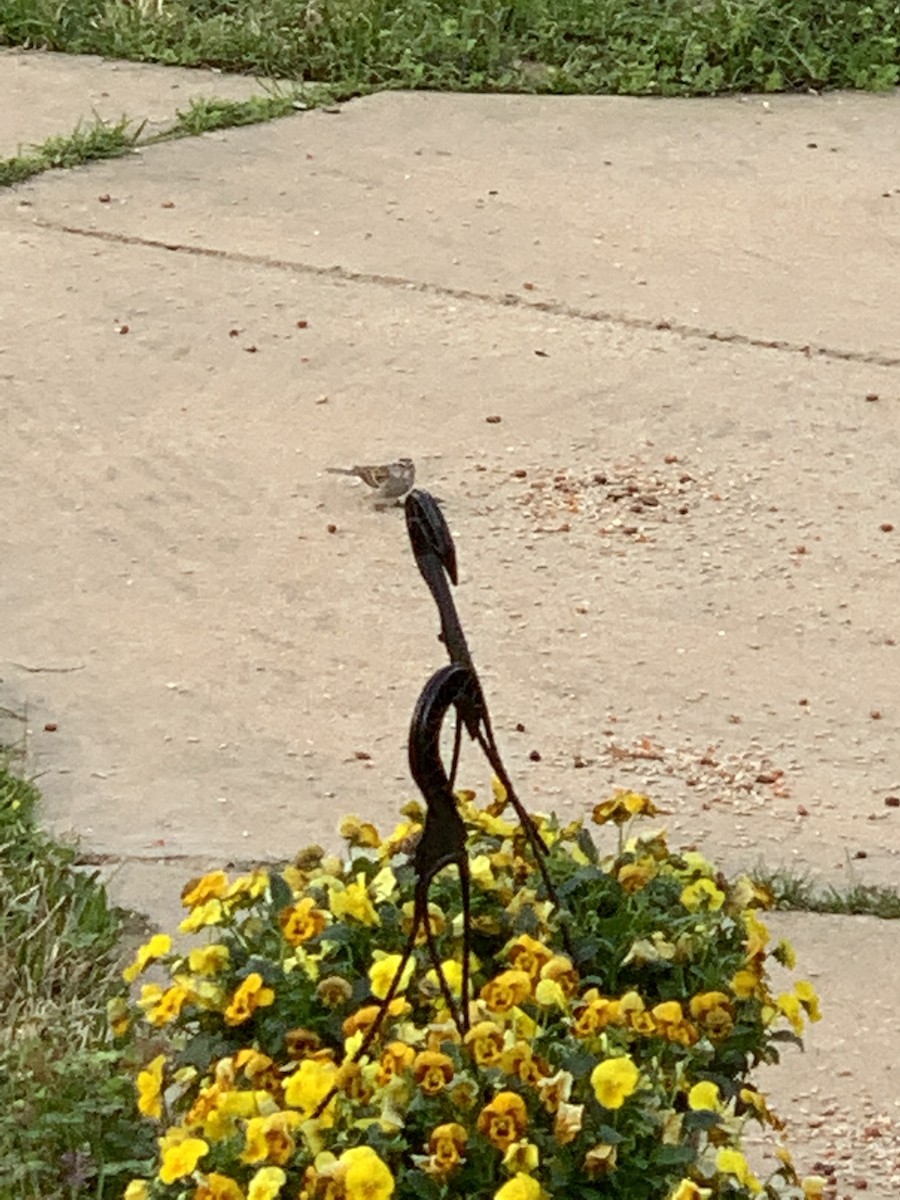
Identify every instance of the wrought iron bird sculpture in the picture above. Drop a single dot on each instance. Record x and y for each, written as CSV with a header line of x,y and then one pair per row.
x,y
443,839
435,556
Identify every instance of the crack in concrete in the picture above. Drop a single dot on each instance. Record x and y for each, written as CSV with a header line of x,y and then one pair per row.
x,y
505,300
164,860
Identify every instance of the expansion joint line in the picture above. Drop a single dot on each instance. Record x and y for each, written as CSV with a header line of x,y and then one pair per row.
x,y
87,858
498,300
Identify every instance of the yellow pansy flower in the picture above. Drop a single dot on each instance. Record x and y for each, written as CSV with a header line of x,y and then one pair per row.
x,y
334,990
243,1106
252,1063
436,919
520,1187
757,936
614,1080
732,1162
481,872
302,921
149,1088
702,893
506,991
310,1084
785,953
695,864
180,1158
250,995
200,1111
633,1014
714,1012
745,983
522,1156
555,1089
560,970
549,994
485,1041
396,1058
623,807
158,946
432,1071
266,1184
600,1160
685,1034
118,1015
748,893
218,1187
359,833
296,879
382,972
250,886
403,838
353,901
504,1120
595,1016
521,1026
270,1139
688,1190
208,887
210,913
209,960
667,1013
365,1175
790,1007
651,950
452,973
446,1146
168,1006
528,955
225,1073
634,876
705,1097
808,997
358,1022
383,884
519,1060
567,1123
138,1189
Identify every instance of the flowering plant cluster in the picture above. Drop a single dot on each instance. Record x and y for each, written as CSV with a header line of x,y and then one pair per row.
x,y
610,1039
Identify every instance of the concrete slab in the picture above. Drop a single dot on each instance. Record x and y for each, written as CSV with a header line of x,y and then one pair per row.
x,y
777,220
217,663
677,553
44,94
841,1096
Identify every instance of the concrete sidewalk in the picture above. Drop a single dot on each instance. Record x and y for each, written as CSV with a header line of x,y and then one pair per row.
x,y
677,544
47,95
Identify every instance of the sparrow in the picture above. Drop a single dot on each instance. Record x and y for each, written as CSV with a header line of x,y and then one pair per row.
x,y
389,481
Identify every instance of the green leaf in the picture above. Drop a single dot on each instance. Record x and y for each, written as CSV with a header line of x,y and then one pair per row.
x,y
282,896
673,1156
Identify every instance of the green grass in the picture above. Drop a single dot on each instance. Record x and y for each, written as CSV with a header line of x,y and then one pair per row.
x,y
798,893
68,1126
105,140
84,144
205,114
663,47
